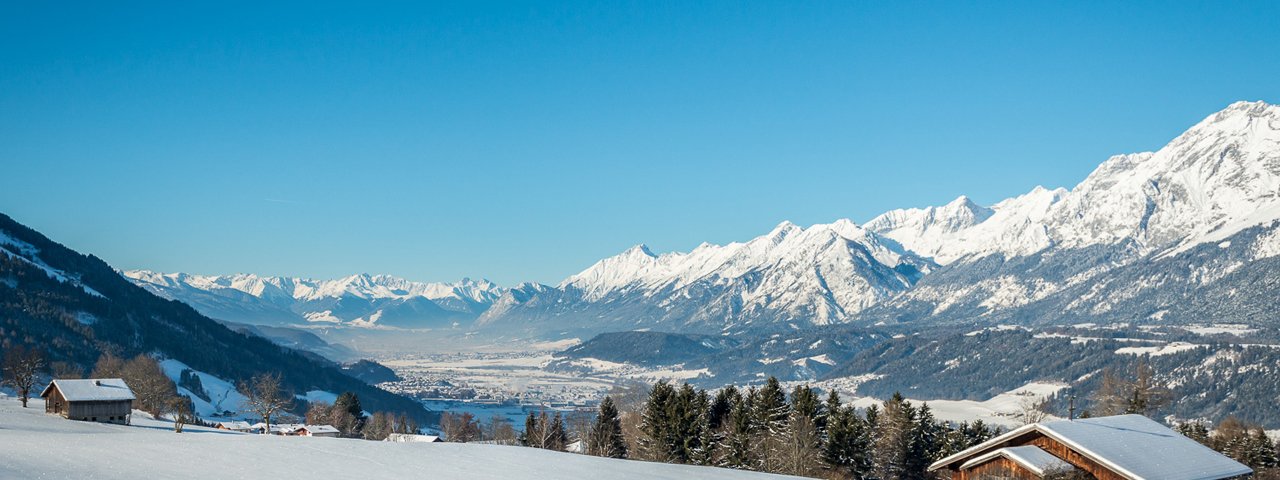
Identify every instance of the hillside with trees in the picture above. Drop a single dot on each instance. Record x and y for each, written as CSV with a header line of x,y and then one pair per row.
x,y
74,308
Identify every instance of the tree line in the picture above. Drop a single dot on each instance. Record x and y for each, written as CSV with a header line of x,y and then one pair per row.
x,y
1246,443
768,430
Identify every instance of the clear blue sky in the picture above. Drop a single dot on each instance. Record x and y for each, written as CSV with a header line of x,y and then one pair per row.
x,y
524,141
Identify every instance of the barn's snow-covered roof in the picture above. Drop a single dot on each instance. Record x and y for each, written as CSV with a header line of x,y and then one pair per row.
x,y
1132,446
1030,457
314,429
91,390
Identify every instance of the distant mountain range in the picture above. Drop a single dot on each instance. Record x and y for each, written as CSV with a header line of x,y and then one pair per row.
x,y
361,300
1188,233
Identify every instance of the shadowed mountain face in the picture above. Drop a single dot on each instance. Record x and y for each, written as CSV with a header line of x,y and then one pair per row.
x,y
75,307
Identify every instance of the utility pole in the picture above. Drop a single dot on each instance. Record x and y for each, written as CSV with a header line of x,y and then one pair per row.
x,y
1071,409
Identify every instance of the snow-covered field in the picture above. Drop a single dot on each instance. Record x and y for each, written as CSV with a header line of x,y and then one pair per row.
x,y
1003,409
36,445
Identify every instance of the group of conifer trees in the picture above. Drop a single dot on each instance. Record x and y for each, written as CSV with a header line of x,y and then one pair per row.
x,y
765,429
1246,443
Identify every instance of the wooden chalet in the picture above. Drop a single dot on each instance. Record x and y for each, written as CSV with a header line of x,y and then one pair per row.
x,y
235,426
317,431
1122,447
107,400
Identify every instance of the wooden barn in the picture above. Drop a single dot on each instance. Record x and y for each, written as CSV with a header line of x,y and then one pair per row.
x,y
235,426
1123,447
106,400
317,431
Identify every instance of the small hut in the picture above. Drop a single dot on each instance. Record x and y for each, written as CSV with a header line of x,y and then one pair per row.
x,y
107,400
235,426
317,431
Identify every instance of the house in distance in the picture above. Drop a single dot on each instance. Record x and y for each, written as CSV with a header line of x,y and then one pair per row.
x,y
107,400
1121,447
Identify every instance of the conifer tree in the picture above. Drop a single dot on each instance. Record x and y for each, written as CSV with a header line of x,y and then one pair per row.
x,y
557,439
531,437
848,442
736,447
606,435
656,436
925,443
771,419
893,437
720,406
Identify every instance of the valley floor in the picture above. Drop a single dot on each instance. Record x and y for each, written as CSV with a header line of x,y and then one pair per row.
x,y
36,445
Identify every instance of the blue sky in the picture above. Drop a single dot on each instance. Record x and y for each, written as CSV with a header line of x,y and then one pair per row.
x,y
524,141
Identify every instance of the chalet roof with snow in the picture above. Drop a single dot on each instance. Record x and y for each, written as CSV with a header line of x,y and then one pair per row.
x,y
1130,446
91,390
235,425
314,429
414,438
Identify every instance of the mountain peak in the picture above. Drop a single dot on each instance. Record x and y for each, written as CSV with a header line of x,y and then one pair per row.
x,y
639,250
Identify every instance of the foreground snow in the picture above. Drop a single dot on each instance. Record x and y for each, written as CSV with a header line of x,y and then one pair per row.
x,y
150,449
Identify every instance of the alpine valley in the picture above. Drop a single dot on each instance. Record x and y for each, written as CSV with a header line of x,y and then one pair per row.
x,y
1167,259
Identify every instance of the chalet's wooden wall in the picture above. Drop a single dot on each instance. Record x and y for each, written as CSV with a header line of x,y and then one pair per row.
x,y
998,467
55,403
112,411
1080,461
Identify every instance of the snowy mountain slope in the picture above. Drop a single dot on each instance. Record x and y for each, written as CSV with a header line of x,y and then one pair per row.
x,y
800,276
1219,182
1145,237
363,300
1016,226
150,449
1218,178
1055,247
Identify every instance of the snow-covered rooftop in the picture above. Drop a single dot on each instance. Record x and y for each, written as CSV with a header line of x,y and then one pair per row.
x,y
91,390
1133,446
235,425
314,429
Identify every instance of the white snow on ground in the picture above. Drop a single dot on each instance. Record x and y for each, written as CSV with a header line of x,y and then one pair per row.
x,y
1157,351
223,396
150,449
824,359
1002,409
1220,328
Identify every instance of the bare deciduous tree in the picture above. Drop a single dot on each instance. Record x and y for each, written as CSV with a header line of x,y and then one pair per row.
x,y
265,397
460,428
180,407
1031,409
21,366
500,431
150,386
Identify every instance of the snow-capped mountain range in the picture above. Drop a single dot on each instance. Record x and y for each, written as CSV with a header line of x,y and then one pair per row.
x,y
1155,236
362,300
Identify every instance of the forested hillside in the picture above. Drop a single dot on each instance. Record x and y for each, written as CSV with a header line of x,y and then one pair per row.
x,y
75,307
1211,380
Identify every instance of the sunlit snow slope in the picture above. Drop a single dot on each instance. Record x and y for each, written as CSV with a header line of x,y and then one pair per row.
x,y
150,449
